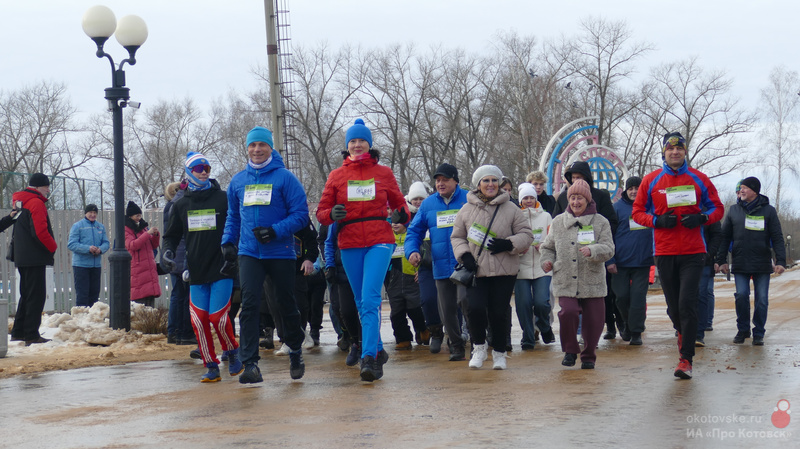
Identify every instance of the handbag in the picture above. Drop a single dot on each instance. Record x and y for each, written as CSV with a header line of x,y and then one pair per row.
x,y
464,276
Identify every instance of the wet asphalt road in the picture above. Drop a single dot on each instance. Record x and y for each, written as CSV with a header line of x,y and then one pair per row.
x,y
424,401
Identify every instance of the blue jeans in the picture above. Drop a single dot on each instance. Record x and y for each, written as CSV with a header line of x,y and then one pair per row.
x,y
366,269
761,303
532,299
705,301
428,297
87,285
178,322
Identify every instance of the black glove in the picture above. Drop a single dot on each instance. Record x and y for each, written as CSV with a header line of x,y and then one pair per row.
x,y
668,220
229,269
229,252
468,260
330,275
338,212
499,245
168,260
692,221
264,235
399,216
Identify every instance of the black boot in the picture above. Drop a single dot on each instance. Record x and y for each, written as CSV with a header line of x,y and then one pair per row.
x,y
268,341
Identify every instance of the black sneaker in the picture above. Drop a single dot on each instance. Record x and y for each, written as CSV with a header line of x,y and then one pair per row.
x,y
172,339
758,341
343,343
740,336
381,360
458,354
636,338
569,359
354,355
587,365
251,374
625,335
315,336
368,369
187,342
548,337
296,366
610,335
195,354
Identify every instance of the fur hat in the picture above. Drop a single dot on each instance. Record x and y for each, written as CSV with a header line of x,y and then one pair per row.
x,y
580,187
38,180
259,134
358,131
753,184
526,189
132,209
484,171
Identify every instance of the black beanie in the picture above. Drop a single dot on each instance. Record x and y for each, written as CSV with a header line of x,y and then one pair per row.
x,y
753,184
132,209
633,181
39,180
90,208
447,170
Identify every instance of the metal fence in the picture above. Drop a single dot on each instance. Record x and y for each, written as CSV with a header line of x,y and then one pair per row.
x,y
60,291
65,193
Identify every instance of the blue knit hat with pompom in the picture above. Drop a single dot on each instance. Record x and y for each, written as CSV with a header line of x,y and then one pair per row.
x,y
358,131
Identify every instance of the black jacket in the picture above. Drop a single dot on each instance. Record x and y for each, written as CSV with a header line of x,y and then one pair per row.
x,y
203,256
751,249
306,247
601,198
713,236
548,202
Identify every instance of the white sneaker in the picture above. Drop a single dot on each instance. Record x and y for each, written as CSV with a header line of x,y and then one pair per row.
x,y
308,342
499,359
478,356
284,350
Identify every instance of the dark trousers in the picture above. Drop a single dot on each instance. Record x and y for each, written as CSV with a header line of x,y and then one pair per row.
x,y
404,302
87,285
490,298
591,312
31,303
428,297
680,280
613,315
630,287
252,274
348,312
178,322
316,305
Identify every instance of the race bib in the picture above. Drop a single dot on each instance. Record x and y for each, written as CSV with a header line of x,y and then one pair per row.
x,y
258,195
202,220
753,223
399,251
586,235
477,234
681,196
635,226
537,237
361,190
446,218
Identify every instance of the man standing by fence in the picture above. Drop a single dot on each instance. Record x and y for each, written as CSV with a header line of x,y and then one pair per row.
x,y
87,241
34,246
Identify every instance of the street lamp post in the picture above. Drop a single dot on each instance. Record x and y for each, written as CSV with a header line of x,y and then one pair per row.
x,y
99,23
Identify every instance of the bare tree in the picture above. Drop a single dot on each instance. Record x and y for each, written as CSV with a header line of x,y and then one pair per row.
x,y
780,111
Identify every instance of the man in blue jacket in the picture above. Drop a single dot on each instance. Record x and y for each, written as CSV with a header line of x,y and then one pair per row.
x,y
87,241
437,214
751,232
266,206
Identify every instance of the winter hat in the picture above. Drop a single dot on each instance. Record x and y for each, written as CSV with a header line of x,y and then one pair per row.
x,y
674,139
417,190
526,189
39,180
192,160
484,171
580,167
633,181
448,171
580,187
358,131
259,134
132,209
753,184
90,208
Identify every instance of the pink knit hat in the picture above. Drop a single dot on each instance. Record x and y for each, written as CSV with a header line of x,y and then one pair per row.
x,y
580,187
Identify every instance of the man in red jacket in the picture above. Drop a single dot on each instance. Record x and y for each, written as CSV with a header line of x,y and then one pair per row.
x,y
34,247
677,201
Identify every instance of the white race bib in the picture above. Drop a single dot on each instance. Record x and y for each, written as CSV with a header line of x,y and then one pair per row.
x,y
635,226
446,218
681,196
477,234
258,195
537,237
753,223
202,220
399,251
361,190
586,235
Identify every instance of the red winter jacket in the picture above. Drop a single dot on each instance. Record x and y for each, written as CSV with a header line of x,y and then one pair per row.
x,y
362,234
651,201
144,277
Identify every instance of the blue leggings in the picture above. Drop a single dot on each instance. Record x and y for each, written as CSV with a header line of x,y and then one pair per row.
x,y
366,269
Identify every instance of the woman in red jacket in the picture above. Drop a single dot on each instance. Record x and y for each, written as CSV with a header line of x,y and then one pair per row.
x,y
142,241
356,195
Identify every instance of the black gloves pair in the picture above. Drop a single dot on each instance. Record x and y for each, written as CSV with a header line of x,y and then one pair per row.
x,y
264,235
690,221
230,267
497,246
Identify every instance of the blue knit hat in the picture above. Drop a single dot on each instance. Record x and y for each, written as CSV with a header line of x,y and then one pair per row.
x,y
192,160
259,134
358,131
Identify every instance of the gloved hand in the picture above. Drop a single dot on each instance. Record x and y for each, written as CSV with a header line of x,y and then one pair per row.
x,y
468,260
668,220
264,235
229,252
168,260
338,212
185,276
330,274
497,246
229,269
692,221
399,216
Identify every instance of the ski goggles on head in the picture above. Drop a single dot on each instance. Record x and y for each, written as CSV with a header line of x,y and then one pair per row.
x,y
201,168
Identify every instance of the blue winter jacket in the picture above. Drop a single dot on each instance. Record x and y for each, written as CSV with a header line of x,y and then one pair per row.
x,y
633,248
444,261
83,235
286,213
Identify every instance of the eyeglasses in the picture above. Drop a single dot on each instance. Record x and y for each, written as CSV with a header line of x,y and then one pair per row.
x,y
201,168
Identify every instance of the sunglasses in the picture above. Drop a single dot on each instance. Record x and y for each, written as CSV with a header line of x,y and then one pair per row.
x,y
201,168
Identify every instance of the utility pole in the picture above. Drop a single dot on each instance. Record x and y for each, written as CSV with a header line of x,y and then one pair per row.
x,y
276,106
